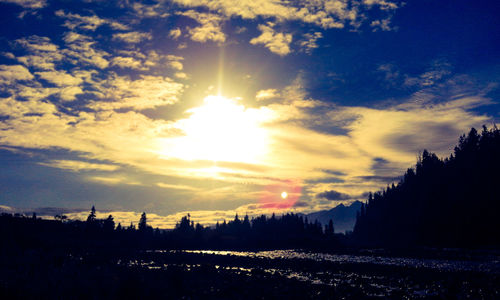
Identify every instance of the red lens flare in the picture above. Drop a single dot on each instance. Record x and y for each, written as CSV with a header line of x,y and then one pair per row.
x,y
281,195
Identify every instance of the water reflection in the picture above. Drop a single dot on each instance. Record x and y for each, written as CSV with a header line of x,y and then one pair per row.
x,y
492,266
370,275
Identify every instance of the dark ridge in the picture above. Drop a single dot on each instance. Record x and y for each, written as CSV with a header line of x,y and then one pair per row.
x,y
451,202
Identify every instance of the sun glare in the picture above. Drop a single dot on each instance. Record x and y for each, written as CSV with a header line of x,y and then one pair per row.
x,y
284,195
221,129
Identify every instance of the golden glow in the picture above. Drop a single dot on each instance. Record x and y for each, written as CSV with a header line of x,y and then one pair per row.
x,y
220,130
284,195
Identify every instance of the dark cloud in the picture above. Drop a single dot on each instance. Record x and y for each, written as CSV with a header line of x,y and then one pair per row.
x,y
333,172
301,204
333,195
364,195
385,171
381,179
434,136
42,211
326,180
52,211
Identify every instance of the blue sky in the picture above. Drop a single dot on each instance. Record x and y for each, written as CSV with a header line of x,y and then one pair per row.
x,y
214,108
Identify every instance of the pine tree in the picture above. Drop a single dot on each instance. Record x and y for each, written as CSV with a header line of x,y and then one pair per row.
x,y
109,224
143,222
92,216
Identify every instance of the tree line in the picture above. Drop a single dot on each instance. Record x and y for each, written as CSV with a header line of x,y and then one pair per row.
x,y
451,202
285,231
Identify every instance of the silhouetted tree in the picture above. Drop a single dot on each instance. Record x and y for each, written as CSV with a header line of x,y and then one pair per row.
x,y
143,223
109,224
441,202
92,216
329,230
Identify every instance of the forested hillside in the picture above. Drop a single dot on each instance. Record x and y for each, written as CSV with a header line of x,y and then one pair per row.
x,y
452,202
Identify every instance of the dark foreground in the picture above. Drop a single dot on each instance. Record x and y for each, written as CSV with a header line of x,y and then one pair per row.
x,y
243,275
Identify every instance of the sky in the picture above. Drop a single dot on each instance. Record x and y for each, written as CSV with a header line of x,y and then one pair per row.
x,y
222,107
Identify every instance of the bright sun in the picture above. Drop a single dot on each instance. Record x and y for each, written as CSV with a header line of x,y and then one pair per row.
x,y
220,130
284,195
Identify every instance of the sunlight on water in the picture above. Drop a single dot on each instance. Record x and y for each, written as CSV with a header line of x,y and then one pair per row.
x,y
370,275
443,265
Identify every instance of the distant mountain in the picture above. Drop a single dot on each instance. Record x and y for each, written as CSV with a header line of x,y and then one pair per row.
x,y
344,217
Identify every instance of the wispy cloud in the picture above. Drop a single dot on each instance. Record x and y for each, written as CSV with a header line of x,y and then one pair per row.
x,y
309,43
33,4
127,62
76,21
132,37
177,186
76,165
266,94
383,4
114,180
210,29
383,25
325,14
175,33
9,74
149,10
145,92
333,195
276,42
82,48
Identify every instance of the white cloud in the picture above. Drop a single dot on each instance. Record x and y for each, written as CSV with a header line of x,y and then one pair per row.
x,y
132,37
68,93
146,92
127,62
112,180
91,23
37,43
42,54
438,71
176,186
310,41
266,94
177,65
398,134
175,33
59,78
181,75
210,29
382,25
148,11
246,9
33,4
9,74
9,55
37,61
16,109
278,43
77,165
84,22
81,49
323,13
383,4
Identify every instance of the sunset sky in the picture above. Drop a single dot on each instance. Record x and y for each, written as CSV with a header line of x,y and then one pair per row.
x,y
218,107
